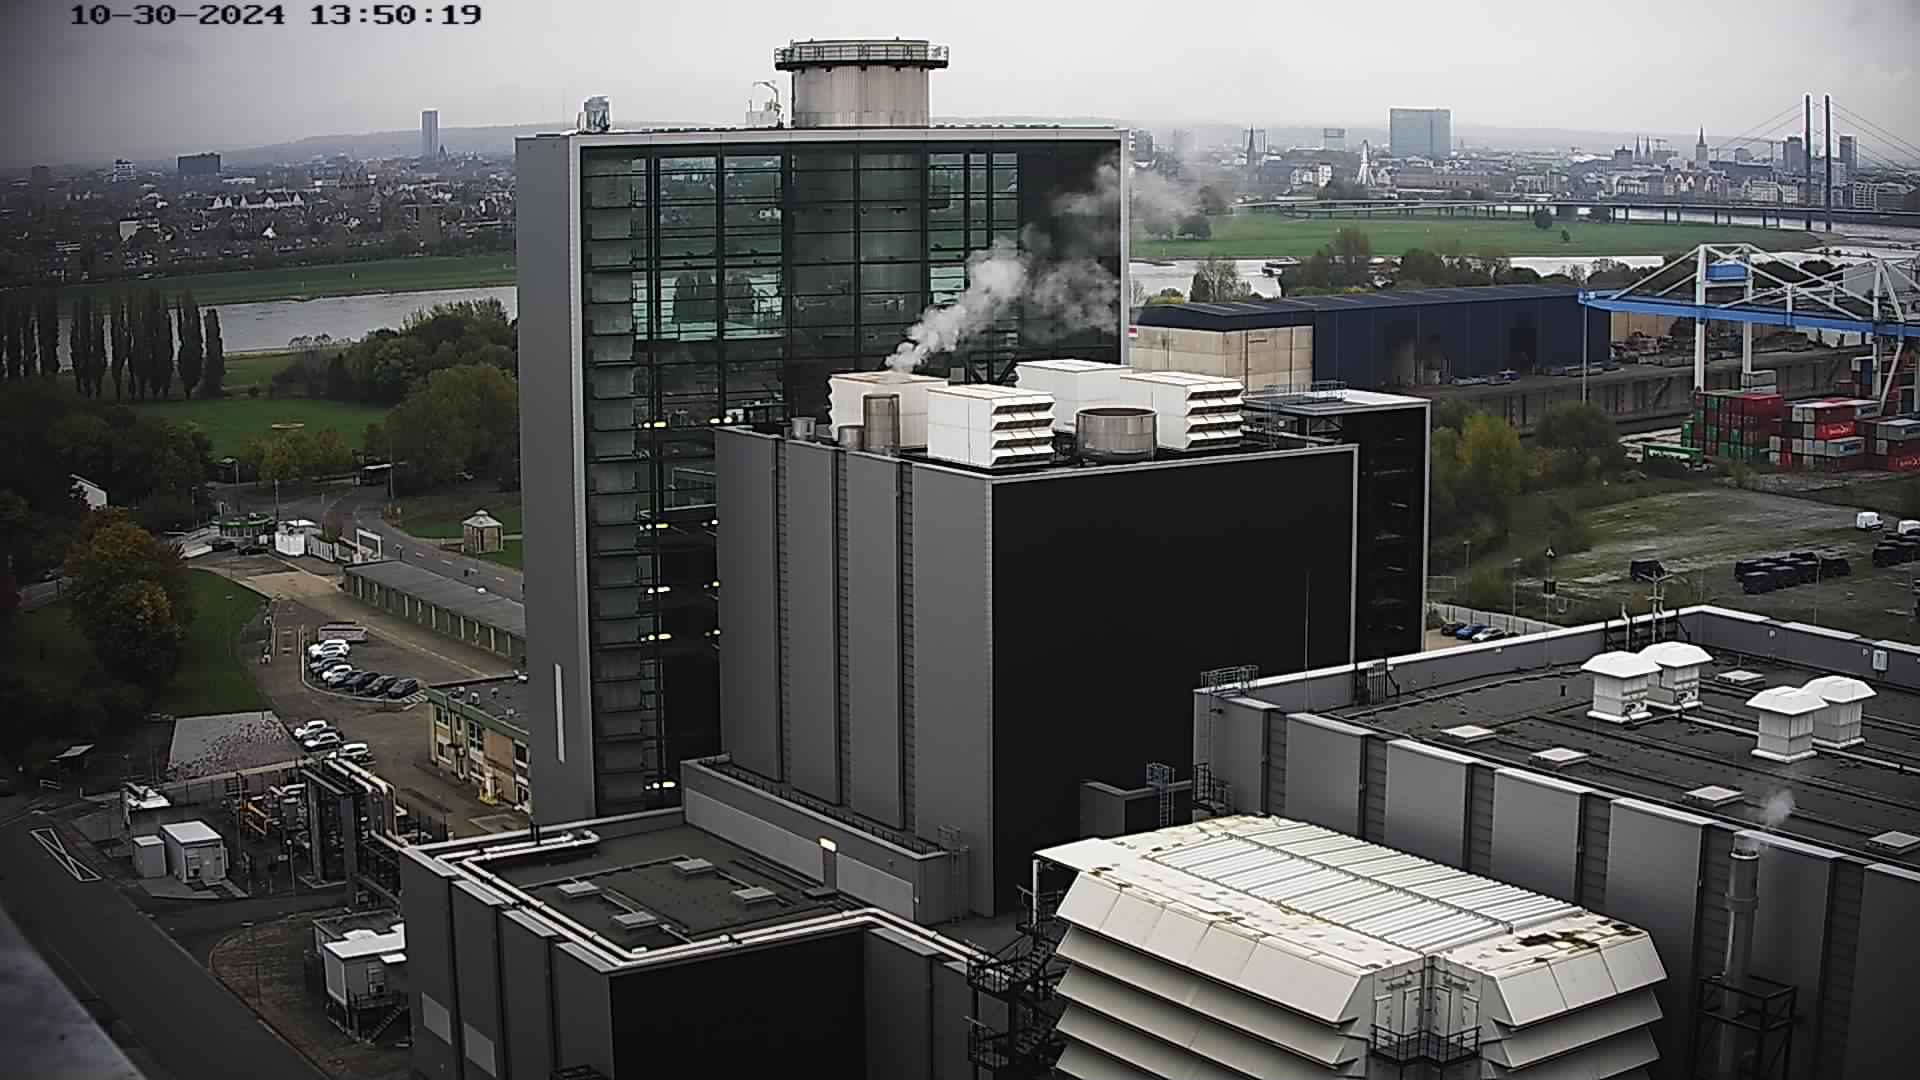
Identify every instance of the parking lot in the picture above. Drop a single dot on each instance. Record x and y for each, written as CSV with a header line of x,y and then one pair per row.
x,y
397,732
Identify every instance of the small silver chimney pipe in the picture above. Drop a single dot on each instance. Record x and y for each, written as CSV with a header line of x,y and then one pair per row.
x,y
880,415
1743,899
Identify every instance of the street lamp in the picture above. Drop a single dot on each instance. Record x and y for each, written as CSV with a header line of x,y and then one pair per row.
x,y
1516,589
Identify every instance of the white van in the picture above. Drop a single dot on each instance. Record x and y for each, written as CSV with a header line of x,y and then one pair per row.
x,y
1866,519
1907,527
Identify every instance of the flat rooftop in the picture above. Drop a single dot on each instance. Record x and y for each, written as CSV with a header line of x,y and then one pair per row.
x,y
1840,799
490,609
656,889
747,135
1255,444
496,696
1300,311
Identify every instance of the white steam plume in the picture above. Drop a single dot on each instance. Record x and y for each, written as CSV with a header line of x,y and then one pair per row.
x,y
1777,807
1053,278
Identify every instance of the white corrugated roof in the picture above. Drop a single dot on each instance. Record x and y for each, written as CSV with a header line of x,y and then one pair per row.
x,y
1620,665
348,948
1677,654
1787,700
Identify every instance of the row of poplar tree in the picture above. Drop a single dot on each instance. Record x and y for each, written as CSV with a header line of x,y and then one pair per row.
x,y
139,342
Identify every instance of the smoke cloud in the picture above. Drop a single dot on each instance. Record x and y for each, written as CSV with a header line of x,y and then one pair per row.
x,y
1777,807
1053,279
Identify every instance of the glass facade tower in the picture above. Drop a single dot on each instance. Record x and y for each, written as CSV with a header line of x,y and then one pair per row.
x,y
710,279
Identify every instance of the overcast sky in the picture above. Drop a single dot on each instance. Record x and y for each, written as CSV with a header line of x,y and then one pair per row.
x,y
86,93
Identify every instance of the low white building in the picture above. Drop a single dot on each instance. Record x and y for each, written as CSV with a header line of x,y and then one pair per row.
x,y
195,853
362,966
91,493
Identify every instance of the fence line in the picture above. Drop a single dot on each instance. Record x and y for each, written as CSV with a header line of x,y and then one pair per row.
x,y
1510,623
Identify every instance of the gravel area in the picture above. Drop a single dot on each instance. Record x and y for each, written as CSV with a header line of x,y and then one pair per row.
x,y
205,745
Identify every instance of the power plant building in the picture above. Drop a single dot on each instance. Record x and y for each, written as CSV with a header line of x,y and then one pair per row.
x,y
673,281
1381,340
1778,893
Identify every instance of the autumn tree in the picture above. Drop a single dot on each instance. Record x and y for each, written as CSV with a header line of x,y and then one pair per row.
x,y
129,594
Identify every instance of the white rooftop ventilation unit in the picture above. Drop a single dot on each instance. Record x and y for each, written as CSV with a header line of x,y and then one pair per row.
x,y
1678,687
1074,385
989,426
1621,683
847,396
596,115
1195,412
1838,724
1786,722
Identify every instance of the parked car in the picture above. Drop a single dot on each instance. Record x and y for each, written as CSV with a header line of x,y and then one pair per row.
x,y
359,681
220,543
1491,633
340,676
320,741
323,663
402,688
378,686
311,728
1466,633
1450,627
353,751
329,648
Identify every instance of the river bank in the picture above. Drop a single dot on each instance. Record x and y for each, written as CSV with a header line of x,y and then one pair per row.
x,y
1268,236
416,274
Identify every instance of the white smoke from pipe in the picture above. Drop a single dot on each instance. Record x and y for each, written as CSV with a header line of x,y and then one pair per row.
x,y
1047,277
1777,807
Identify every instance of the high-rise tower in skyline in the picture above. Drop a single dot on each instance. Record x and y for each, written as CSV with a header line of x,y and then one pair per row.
x,y
429,133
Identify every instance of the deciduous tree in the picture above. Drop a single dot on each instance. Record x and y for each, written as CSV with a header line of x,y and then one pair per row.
x,y
187,322
130,597
47,327
213,370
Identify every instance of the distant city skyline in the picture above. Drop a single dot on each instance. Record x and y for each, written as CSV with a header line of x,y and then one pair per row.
x,y
82,94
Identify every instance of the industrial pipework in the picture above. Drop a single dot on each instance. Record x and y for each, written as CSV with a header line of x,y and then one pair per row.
x,y
1743,899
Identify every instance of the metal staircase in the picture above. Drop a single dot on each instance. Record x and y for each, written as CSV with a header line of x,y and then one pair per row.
x,y
1024,976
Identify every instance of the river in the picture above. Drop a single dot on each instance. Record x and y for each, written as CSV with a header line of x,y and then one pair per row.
x,y
271,324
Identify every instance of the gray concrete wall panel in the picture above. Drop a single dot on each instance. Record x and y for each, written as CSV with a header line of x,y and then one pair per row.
x,y
812,706
1790,931
1324,760
870,885
1811,646
953,677
524,971
899,998
791,850
749,599
1427,801
953,1003
477,972
553,462
1103,809
1653,882
424,899
873,636
1536,832
1239,754
1886,981
1273,790
1480,818
583,1019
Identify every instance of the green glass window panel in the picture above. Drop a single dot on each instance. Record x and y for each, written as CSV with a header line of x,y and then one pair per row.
x,y
978,236
615,538
1007,235
618,570
824,218
619,603
753,381
890,216
890,277
821,160
756,247
701,245
889,307
623,631
751,216
823,310
951,242
1006,211
1005,181
735,162
688,304
689,217
609,383
690,476
833,280
611,164
977,183
612,349
752,302
889,159
606,319
609,288
946,159
891,184
615,223
611,191
1005,157
753,187
616,254
890,245
822,187
822,248
619,508
616,477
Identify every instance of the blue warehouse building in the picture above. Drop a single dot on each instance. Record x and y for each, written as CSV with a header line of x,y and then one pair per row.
x,y
1379,340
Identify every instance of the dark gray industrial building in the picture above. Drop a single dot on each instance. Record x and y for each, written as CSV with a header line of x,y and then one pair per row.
x,y
671,281
940,656
1485,758
642,946
1399,338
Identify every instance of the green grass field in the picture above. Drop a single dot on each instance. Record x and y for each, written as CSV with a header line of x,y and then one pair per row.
x,y
341,279
214,675
1265,236
255,369
438,516
230,421
510,554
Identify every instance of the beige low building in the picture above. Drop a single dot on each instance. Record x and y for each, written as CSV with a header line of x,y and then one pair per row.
x,y
1275,356
479,737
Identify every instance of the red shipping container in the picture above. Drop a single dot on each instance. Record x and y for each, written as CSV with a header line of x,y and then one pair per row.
x,y
1836,430
1904,461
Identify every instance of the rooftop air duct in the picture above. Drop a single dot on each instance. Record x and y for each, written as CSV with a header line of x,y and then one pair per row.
x,y
989,426
1621,683
1114,435
1076,385
1838,724
881,417
1677,688
1786,722
847,392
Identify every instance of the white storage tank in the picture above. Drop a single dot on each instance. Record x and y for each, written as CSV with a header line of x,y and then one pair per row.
x,y
847,395
1074,384
1195,412
989,426
149,857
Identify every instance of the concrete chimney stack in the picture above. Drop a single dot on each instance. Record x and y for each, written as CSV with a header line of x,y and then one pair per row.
x,y
860,83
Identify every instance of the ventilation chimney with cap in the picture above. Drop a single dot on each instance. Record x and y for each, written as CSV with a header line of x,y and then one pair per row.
x,y
1621,682
1743,899
847,395
881,418
1838,724
1677,688
1786,716
860,83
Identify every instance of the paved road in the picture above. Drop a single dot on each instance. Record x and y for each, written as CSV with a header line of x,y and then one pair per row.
x,y
122,965
493,577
